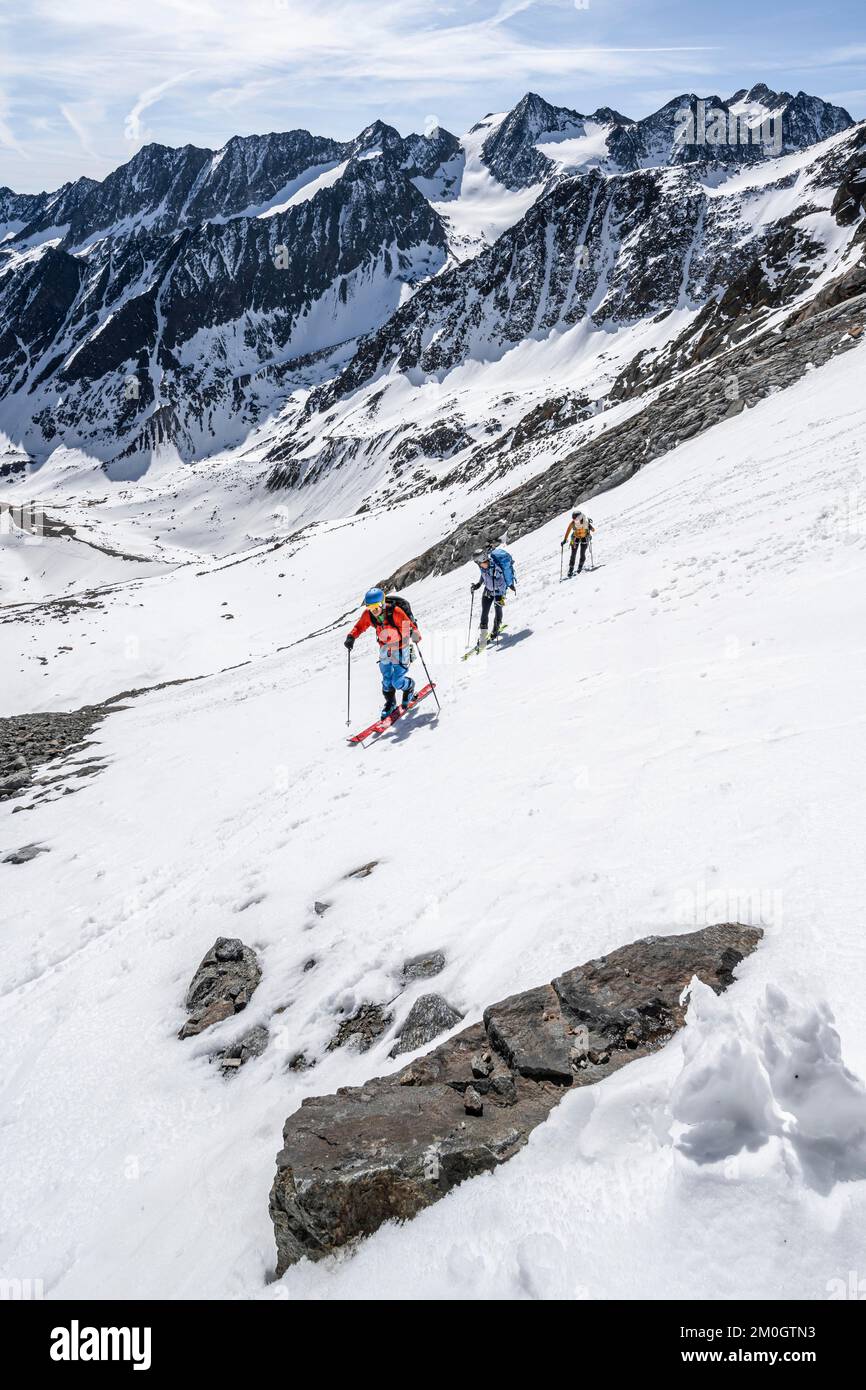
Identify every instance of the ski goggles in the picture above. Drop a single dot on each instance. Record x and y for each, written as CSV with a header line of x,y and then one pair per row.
x,y
375,607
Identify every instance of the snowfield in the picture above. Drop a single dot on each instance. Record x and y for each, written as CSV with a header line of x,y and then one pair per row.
x,y
674,738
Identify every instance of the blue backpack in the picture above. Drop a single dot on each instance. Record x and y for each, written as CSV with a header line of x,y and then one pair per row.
x,y
503,560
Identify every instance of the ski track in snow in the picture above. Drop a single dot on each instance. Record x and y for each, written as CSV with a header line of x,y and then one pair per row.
x,y
677,737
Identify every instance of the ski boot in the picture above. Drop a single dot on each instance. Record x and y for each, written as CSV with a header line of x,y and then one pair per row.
x,y
390,703
408,694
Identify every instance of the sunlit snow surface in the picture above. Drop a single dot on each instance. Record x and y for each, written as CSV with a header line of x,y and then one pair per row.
x,y
675,738
476,208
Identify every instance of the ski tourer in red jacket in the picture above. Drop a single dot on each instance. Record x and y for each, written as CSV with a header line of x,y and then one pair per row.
x,y
395,630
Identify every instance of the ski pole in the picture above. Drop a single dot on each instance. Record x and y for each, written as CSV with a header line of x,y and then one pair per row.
x,y
561,558
471,606
591,555
348,687
427,674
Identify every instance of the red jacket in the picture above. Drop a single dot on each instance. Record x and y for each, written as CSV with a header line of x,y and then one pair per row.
x,y
392,631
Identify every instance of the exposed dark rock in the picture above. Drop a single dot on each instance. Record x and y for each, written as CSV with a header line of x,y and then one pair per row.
x,y
529,1032
423,967
482,1065
386,1150
472,1102
24,854
29,741
222,985
252,1044
364,871
440,441
365,1025
320,908
429,1016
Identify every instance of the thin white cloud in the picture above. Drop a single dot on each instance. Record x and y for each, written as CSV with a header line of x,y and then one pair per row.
x,y
133,128
75,118
8,138
330,65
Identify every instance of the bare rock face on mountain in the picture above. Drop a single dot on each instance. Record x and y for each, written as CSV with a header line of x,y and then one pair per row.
x,y
153,299
222,986
429,1016
386,1150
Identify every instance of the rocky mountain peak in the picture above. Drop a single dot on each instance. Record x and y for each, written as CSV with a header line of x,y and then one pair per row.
x,y
510,150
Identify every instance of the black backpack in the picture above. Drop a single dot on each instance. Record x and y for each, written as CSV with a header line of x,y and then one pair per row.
x,y
397,601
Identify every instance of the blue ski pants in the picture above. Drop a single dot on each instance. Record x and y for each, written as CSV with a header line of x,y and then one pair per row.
x,y
395,676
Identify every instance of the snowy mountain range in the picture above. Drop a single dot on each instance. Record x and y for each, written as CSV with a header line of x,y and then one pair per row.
x,y
296,296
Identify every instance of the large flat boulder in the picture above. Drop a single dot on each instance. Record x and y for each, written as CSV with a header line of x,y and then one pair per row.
x,y
386,1150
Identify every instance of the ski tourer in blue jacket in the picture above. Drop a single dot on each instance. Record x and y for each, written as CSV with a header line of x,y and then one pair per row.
x,y
497,577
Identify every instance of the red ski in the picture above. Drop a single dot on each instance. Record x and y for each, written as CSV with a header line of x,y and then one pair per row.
x,y
382,724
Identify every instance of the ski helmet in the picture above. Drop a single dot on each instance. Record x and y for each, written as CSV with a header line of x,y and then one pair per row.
x,y
374,598
480,557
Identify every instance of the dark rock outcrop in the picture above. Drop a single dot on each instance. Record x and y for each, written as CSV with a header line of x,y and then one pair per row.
x,y
423,967
223,985
24,854
429,1016
386,1150
252,1044
28,741
363,1027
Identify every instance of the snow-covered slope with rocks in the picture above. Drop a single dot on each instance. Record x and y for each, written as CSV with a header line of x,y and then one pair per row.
x,y
237,388
674,738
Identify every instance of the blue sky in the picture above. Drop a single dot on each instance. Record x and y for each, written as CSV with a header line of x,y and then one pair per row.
x,y
84,83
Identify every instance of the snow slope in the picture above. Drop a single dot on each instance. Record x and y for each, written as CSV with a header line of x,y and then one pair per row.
x,y
477,208
675,738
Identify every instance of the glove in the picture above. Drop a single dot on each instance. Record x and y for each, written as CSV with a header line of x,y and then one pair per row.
x,y
473,588
349,642
562,544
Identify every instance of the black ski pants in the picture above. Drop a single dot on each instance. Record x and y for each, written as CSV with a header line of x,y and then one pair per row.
x,y
574,548
486,600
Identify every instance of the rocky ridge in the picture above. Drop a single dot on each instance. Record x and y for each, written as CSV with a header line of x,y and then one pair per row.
x,y
386,1150
680,410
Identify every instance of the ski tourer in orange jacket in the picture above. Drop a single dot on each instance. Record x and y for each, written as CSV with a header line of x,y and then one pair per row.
x,y
579,530
395,630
